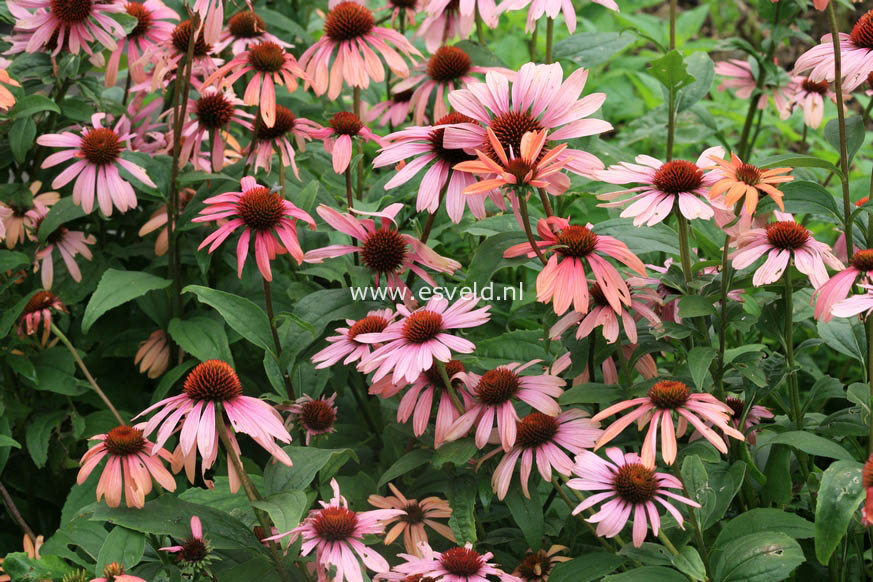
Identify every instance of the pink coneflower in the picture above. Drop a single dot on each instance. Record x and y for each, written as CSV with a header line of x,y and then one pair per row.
x,y
16,223
270,65
39,310
213,113
98,153
382,248
194,552
114,572
344,126
837,287
496,392
244,29
336,534
417,402
71,24
753,418
410,346
133,461
394,110
444,22
541,438
537,99
277,138
449,68
602,314
153,355
782,241
551,9
427,143
862,302
211,388
531,168
168,55
458,564
563,280
676,184
256,209
663,399
350,32
68,243
856,53
536,566
809,96
626,485
738,75
153,28
644,365
343,346
159,220
5,214
7,99
867,484
745,180
315,415
416,515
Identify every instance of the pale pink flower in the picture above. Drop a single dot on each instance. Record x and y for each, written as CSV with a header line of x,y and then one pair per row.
x,y
537,99
738,75
563,280
159,220
445,22
495,393
644,365
315,415
14,219
542,439
657,407
867,484
39,310
449,68
212,113
153,28
427,145
277,139
408,8
194,549
343,346
212,17
416,515
549,9
856,55
344,126
270,65
336,533
780,242
68,243
676,184
382,248
603,315
410,346
536,566
132,462
153,355
837,287
52,25
260,212
417,401
114,572
626,485
458,564
753,419
809,96
394,110
211,388
168,55
244,29
97,150
351,34
862,302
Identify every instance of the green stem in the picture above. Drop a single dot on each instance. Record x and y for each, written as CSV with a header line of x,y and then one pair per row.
x,y
841,120
684,246
268,299
869,327
550,33
803,146
726,275
547,205
356,101
522,209
560,490
480,27
662,535
671,123
64,340
793,388
672,24
350,196
866,114
533,45
449,388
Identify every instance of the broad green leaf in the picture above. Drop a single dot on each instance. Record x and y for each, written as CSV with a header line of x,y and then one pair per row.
x,y
699,66
456,453
6,441
778,473
488,257
122,545
589,49
169,379
30,105
243,316
587,567
55,370
688,562
648,574
117,288
671,71
527,514
12,260
23,568
813,444
764,519
127,21
758,557
480,54
651,239
854,134
695,306
844,335
286,509
805,197
21,138
797,161
462,499
260,569
411,460
647,554
699,359
308,461
38,434
202,337
839,496
64,211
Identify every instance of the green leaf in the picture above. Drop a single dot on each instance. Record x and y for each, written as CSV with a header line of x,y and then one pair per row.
x,y
804,197
10,316
117,288
527,514
797,161
127,22
758,557
699,359
170,378
30,105
587,567
778,472
670,70
6,441
462,499
688,562
844,335
21,138
854,134
813,444
480,54
23,568
456,453
286,509
488,257
308,461
840,494
12,259
713,488
589,49
648,574
38,434
411,460
764,519
657,238
64,211
699,66
695,306
122,545
243,316
201,336
260,569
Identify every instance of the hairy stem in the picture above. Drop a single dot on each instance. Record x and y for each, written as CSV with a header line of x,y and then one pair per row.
x,y
15,514
522,209
841,120
793,388
449,388
547,204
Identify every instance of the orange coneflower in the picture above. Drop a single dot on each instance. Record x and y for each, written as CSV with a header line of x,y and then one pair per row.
x,y
741,179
